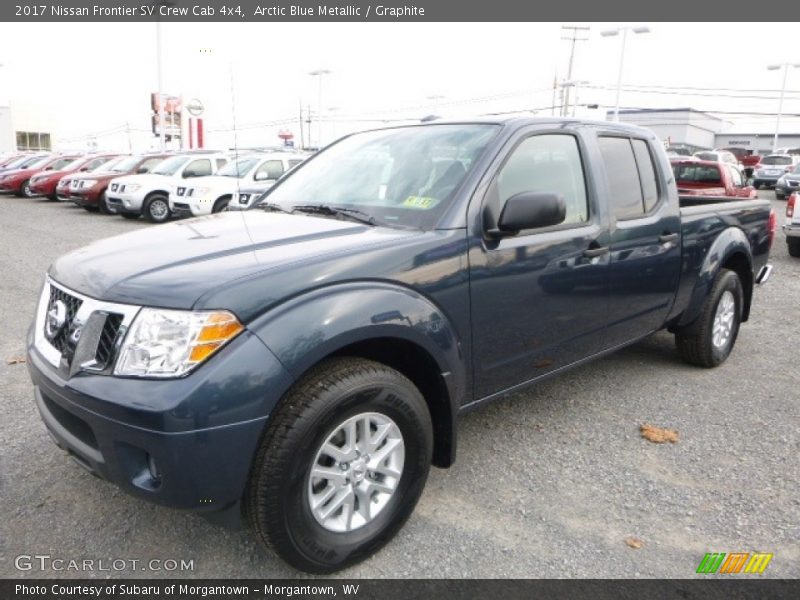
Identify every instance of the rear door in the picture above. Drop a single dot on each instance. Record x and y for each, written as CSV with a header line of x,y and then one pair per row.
x,y
645,238
538,301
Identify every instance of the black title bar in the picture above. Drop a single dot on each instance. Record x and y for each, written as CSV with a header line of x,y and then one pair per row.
x,y
389,11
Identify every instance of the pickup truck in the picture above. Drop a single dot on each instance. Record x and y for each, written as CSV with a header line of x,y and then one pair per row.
x,y
303,364
710,178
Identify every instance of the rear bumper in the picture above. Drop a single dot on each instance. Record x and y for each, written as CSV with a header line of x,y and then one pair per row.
x,y
171,442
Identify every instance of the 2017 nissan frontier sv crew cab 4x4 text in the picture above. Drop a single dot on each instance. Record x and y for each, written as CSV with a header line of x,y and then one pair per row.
x,y
304,363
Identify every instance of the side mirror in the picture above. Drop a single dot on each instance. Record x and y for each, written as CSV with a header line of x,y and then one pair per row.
x,y
264,176
141,170
189,173
530,210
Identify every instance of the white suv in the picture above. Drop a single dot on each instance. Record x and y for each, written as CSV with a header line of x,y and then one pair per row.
x,y
148,194
213,194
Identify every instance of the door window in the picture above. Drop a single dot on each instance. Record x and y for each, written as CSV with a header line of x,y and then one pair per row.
x,y
271,169
547,163
631,176
199,167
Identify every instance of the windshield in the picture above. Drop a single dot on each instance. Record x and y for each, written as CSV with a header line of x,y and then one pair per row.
x,y
71,165
13,164
776,160
126,164
170,166
404,177
238,168
689,173
61,163
35,162
107,165
706,156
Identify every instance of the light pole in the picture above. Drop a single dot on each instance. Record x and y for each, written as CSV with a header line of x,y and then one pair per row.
x,y
161,128
785,67
318,73
566,85
624,32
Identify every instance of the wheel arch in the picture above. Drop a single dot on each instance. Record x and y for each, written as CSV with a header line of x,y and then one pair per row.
x,y
392,325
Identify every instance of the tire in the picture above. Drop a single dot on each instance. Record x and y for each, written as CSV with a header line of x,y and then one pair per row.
x,y
221,204
156,208
793,246
102,206
779,195
697,344
130,216
90,209
25,189
757,184
280,490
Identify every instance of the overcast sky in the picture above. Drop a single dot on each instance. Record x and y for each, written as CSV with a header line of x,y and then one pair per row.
x,y
89,78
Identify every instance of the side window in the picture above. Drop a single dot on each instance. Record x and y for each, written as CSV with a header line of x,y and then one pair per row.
x,y
198,168
623,177
547,163
293,162
221,162
272,169
647,174
736,177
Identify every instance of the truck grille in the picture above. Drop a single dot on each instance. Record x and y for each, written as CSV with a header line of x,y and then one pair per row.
x,y
106,345
72,304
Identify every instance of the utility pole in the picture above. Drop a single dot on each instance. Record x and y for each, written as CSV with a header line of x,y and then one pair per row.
x,y
579,34
302,138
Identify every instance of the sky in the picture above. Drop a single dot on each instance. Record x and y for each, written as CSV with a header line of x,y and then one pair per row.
x,y
83,80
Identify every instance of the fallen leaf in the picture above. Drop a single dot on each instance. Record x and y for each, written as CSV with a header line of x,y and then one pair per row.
x,y
16,360
658,435
634,542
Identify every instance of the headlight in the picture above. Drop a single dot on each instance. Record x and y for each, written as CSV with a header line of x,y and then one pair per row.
x,y
199,191
88,183
132,187
170,343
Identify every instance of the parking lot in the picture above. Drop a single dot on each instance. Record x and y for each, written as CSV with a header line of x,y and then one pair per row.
x,y
549,482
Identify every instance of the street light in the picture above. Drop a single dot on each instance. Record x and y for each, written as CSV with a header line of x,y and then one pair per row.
x,y
615,32
785,67
318,73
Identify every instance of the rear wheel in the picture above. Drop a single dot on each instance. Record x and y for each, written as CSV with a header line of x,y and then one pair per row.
x,y
757,184
91,209
341,465
793,245
156,208
130,216
709,340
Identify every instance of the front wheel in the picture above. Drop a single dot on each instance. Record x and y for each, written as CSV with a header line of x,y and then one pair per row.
x,y
341,465
102,205
25,189
793,246
709,340
156,209
221,204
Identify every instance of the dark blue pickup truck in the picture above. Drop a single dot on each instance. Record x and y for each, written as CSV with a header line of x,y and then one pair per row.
x,y
305,362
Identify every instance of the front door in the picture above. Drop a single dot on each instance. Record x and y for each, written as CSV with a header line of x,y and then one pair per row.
x,y
538,297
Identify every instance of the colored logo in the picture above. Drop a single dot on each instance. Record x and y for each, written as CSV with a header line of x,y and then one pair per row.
x,y
734,562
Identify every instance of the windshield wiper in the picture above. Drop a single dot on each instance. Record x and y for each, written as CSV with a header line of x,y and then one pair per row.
x,y
271,207
336,211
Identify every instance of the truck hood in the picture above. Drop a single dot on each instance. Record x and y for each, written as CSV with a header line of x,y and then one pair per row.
x,y
174,265
148,180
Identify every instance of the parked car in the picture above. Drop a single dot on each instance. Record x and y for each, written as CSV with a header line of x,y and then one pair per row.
x,y
772,167
148,194
706,178
792,226
308,361
8,161
64,184
788,183
748,159
46,182
89,191
213,194
721,156
18,181
22,162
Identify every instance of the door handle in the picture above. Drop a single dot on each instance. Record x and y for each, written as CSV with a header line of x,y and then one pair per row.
x,y
668,237
595,252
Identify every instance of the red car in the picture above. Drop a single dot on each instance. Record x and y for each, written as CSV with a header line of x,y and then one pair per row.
x,y
44,183
65,183
710,178
89,190
18,181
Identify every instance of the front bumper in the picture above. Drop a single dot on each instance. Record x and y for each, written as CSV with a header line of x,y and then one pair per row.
x,y
189,206
43,189
787,187
86,196
185,443
124,202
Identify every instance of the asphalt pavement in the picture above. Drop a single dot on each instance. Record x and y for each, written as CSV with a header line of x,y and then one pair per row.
x,y
549,482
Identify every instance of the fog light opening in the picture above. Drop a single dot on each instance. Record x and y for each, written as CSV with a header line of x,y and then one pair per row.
x,y
153,468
